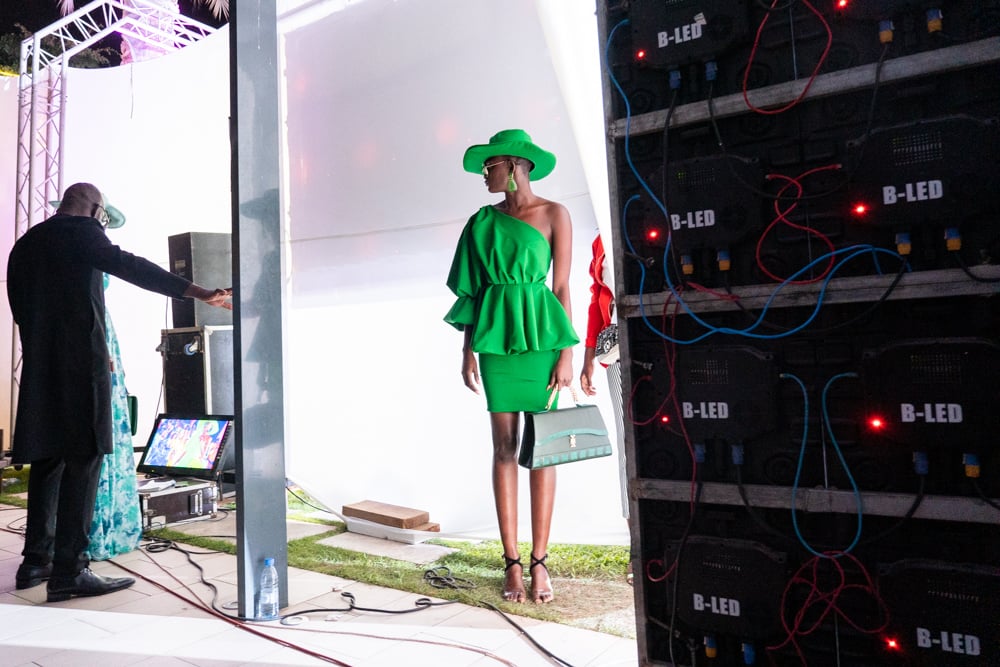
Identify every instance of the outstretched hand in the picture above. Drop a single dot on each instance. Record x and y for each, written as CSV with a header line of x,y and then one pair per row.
x,y
220,298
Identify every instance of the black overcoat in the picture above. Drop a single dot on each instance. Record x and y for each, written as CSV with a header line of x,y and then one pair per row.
x,y
56,291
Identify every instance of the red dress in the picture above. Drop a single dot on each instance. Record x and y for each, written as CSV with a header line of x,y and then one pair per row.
x,y
601,296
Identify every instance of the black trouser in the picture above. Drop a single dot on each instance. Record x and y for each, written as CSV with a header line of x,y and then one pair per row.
x,y
61,495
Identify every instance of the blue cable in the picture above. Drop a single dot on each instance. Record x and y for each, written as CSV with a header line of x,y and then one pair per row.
x,y
628,123
856,251
709,328
840,455
802,453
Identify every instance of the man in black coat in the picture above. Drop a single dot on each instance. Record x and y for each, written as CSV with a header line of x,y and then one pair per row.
x,y
63,422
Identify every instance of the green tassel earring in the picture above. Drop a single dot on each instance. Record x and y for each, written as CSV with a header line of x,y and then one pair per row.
x,y
511,184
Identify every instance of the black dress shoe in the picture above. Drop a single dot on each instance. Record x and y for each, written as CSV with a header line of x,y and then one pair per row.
x,y
86,583
29,576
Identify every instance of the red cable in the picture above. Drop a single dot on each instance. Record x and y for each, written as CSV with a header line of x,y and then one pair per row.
x,y
819,64
670,358
719,295
827,599
782,217
670,354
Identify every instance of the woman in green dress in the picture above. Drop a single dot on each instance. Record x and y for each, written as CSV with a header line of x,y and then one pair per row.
x,y
519,328
117,524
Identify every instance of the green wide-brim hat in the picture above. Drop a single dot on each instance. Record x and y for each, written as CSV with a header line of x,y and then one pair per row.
x,y
510,142
115,217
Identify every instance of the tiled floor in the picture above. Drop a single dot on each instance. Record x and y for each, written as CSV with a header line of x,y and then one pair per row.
x,y
169,627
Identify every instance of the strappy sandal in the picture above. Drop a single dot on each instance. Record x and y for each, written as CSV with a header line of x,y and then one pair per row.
x,y
540,595
517,594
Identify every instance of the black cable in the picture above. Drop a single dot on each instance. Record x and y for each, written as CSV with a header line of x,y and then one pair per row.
x,y
420,604
749,316
160,545
438,577
874,304
306,502
235,621
748,186
871,112
803,197
646,261
968,271
677,561
906,517
531,639
673,259
758,519
982,496
441,577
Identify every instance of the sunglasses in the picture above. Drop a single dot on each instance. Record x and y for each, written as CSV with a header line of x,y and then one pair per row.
x,y
102,216
486,167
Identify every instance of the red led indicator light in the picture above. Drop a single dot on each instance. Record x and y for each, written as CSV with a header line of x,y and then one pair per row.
x,y
841,4
665,419
640,54
860,209
876,423
653,234
892,644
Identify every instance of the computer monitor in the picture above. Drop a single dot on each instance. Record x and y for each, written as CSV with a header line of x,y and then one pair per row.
x,y
188,446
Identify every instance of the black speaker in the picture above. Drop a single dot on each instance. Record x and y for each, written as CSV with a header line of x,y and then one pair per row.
x,y
204,258
198,370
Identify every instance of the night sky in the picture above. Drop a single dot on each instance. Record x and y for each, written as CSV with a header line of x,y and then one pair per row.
x,y
36,14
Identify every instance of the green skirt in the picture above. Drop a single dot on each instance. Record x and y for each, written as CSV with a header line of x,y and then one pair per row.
x,y
517,382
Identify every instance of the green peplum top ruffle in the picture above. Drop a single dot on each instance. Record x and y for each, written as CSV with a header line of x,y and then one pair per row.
x,y
498,274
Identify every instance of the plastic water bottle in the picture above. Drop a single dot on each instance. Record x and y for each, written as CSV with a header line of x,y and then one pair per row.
x,y
267,606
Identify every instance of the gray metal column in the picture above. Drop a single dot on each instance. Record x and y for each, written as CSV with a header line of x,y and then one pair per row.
x,y
259,396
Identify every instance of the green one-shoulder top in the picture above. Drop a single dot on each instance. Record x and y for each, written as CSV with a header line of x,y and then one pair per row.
x,y
498,274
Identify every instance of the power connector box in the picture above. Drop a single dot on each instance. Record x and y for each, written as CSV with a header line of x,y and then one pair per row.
x,y
186,500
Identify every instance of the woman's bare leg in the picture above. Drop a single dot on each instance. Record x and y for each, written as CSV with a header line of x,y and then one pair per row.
x,y
505,427
543,496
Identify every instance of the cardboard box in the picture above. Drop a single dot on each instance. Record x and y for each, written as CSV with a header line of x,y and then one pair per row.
x,y
387,515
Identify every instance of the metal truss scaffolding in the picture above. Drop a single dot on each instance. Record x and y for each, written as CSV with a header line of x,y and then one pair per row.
x,y
42,85
42,98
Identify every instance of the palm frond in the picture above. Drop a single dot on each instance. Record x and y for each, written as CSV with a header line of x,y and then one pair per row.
x,y
219,8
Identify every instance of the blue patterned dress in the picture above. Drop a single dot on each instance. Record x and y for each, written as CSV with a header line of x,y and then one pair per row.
x,y
117,524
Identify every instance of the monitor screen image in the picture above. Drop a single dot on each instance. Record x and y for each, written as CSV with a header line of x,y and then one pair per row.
x,y
187,446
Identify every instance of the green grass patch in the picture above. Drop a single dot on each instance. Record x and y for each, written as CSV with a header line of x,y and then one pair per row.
x,y
483,575
573,561
476,564
14,481
210,543
303,507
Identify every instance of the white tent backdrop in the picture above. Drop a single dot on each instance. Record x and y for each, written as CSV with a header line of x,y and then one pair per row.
x,y
8,190
381,98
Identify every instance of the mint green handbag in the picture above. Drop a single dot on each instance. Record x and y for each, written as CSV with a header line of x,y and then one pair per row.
x,y
554,437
